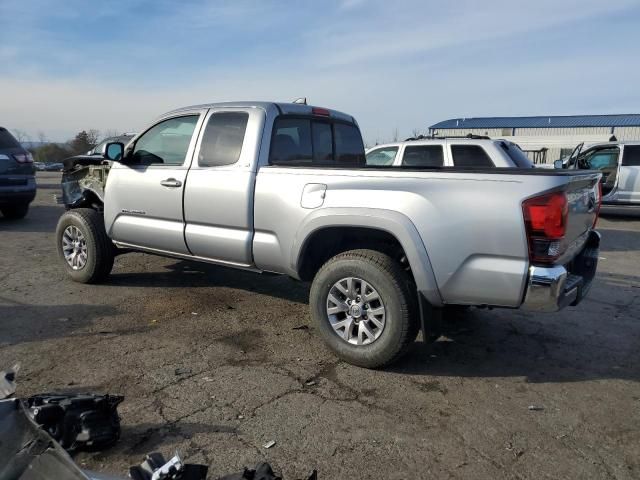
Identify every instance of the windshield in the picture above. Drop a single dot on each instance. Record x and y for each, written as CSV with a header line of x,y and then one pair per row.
x,y
516,155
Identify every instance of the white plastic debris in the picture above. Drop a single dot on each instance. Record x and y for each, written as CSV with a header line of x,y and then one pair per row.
x,y
269,444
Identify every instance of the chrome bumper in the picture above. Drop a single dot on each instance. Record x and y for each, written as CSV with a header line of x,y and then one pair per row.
x,y
552,288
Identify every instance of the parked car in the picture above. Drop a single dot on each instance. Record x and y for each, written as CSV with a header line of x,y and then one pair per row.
x,y
17,177
53,167
619,163
39,166
284,188
467,152
99,149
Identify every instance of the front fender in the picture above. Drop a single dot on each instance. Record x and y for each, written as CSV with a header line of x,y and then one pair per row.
x,y
392,222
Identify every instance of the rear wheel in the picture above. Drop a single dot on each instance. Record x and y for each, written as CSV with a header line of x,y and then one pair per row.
x,y
15,212
364,307
83,245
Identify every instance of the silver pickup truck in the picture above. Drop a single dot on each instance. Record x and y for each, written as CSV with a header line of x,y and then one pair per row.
x,y
277,187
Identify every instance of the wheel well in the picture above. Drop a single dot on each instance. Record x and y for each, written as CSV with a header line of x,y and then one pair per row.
x,y
88,199
329,242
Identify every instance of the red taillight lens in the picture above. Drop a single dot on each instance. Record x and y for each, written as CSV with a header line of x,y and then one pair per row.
x,y
23,157
545,219
323,112
598,204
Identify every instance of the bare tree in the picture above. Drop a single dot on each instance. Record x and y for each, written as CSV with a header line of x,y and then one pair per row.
x,y
416,132
42,139
21,135
395,134
111,132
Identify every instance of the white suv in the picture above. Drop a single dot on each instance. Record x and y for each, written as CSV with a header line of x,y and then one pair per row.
x,y
466,152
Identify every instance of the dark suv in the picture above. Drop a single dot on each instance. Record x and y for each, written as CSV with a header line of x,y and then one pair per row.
x,y
17,177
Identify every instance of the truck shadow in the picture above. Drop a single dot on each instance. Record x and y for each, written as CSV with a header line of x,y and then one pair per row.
x,y
596,340
41,218
184,274
24,323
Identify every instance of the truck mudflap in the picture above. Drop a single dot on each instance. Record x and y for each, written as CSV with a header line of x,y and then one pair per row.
x,y
551,288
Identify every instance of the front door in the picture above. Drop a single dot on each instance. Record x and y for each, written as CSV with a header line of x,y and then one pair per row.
x,y
606,161
143,204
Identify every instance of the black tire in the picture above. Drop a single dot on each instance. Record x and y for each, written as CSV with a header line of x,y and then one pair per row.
x,y
15,212
396,291
100,249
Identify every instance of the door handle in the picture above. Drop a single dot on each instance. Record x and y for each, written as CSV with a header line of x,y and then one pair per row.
x,y
171,182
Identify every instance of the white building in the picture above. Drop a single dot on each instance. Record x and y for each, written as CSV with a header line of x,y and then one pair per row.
x,y
546,139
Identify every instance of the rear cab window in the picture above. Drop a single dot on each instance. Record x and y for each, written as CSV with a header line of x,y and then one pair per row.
x,y
470,156
311,141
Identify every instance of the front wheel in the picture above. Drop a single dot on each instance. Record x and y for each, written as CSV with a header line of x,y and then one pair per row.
x,y
83,245
364,307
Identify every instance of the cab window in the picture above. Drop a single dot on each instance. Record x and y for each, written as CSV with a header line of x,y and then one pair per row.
x,y
222,139
165,143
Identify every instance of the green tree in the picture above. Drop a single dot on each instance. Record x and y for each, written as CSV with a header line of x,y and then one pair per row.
x,y
84,141
51,152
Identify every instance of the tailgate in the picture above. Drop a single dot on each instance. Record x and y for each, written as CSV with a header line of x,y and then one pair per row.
x,y
583,197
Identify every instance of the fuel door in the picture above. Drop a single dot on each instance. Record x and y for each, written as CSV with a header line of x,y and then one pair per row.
x,y
313,195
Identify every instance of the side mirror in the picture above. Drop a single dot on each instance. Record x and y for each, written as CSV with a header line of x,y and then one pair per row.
x,y
114,151
558,164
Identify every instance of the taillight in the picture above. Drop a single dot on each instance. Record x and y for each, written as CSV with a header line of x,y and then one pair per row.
x,y
545,219
23,157
598,204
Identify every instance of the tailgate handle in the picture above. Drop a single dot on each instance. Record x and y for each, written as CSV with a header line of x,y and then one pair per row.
x,y
171,182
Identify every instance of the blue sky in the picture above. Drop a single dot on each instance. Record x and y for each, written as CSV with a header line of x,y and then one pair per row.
x,y
67,65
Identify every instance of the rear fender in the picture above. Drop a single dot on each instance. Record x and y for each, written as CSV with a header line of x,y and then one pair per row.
x,y
395,223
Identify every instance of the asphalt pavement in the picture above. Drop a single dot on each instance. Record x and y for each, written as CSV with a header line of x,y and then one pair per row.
x,y
217,363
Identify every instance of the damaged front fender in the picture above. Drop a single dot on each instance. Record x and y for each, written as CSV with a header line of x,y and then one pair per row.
x,y
83,181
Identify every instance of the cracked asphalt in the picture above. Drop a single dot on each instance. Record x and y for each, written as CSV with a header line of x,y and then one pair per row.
x,y
216,363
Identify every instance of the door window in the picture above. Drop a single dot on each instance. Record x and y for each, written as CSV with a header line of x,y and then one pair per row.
x,y
222,139
165,143
631,157
602,159
382,157
423,156
470,156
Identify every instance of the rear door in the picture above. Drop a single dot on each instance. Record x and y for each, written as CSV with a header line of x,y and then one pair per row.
x,y
629,175
143,204
218,200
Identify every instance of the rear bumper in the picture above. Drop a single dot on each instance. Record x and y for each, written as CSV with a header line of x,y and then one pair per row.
x,y
550,289
18,194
